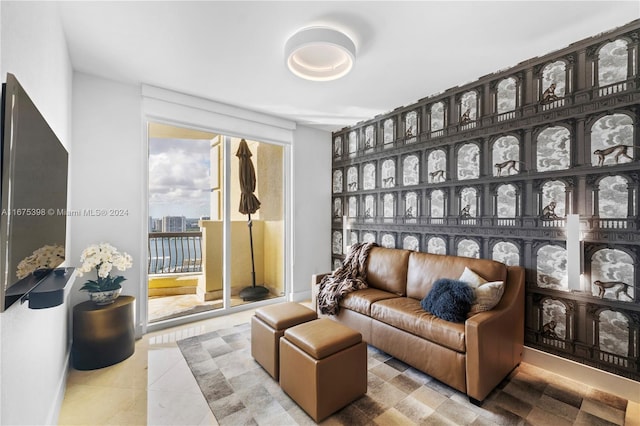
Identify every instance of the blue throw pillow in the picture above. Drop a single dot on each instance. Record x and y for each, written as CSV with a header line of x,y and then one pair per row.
x,y
449,299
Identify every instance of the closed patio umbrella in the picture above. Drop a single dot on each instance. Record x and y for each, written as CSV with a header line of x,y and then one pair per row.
x,y
249,204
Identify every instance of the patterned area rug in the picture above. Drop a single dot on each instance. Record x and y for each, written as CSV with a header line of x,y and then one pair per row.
x,y
240,392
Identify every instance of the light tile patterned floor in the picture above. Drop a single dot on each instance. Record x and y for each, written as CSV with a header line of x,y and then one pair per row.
x,y
156,387
241,392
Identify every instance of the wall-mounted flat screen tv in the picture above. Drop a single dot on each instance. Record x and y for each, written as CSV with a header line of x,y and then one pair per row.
x,y
34,196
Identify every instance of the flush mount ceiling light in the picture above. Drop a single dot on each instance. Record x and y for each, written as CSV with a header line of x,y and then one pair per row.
x,y
320,54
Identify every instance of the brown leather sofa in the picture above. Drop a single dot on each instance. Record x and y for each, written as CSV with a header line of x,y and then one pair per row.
x,y
472,357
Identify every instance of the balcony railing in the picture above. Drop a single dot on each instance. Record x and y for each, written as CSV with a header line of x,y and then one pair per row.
x,y
612,88
558,103
623,223
175,252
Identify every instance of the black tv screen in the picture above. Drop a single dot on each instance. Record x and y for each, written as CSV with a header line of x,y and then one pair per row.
x,y
34,195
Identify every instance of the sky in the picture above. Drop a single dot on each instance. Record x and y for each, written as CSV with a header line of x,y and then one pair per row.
x,y
179,183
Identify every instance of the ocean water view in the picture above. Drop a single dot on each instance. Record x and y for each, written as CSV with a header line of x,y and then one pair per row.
x,y
175,252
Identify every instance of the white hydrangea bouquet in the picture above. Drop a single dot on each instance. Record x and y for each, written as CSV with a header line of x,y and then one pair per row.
x,y
46,257
103,257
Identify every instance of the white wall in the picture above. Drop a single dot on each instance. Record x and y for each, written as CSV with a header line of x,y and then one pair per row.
x,y
109,169
311,188
108,173
34,344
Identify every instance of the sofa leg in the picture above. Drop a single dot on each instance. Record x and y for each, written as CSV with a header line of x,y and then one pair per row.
x,y
475,402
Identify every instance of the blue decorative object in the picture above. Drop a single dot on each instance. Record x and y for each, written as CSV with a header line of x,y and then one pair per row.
x,y
449,299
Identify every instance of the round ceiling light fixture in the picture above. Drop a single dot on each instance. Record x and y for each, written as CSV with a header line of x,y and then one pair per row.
x,y
320,54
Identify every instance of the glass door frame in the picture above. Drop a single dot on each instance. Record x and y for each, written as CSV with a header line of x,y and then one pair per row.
x,y
209,125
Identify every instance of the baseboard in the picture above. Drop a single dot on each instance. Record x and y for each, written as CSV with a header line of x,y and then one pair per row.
x,y
300,296
56,404
602,380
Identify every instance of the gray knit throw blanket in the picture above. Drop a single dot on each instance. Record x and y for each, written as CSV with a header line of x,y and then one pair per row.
x,y
351,276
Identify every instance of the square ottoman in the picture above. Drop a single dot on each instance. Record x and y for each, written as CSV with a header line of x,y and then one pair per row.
x,y
323,366
268,325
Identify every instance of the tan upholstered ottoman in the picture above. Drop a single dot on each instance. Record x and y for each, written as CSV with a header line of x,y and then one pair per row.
x,y
268,325
323,366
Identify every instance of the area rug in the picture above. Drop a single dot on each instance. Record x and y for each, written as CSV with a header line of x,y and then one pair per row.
x,y
240,392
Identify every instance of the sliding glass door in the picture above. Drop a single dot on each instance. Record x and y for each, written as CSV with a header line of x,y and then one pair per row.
x,y
206,254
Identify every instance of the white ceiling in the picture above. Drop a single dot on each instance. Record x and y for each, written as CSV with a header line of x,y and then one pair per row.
x,y
232,52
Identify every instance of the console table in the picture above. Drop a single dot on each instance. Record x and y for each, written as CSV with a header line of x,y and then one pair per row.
x,y
102,335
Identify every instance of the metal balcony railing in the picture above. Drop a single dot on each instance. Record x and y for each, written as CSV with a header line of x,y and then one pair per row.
x,y
175,252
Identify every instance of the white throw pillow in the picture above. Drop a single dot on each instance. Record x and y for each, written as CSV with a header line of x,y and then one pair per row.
x,y
471,278
487,294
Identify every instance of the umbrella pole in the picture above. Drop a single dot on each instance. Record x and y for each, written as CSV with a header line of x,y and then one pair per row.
x,y
253,265
253,292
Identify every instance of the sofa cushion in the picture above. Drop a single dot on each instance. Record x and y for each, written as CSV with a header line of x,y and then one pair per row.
x,y
425,269
449,300
406,314
360,301
387,269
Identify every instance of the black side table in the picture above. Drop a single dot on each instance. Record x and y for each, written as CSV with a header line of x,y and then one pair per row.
x,y
102,335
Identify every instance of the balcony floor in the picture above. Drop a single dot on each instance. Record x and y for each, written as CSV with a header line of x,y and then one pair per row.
x,y
167,307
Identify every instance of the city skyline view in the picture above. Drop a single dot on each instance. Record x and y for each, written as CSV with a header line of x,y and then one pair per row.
x,y
179,177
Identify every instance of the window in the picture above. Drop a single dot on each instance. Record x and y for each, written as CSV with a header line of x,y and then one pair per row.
x,y
612,63
468,107
611,137
436,245
553,147
506,95
437,166
353,207
411,205
369,176
613,334
337,181
410,242
353,142
437,203
337,146
553,81
613,197
388,173
388,132
610,266
506,156
552,267
369,137
553,204
352,179
507,253
506,201
437,117
411,126
410,170
388,241
388,206
468,203
469,162
468,248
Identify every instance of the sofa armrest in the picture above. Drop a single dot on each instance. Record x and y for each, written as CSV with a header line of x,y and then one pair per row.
x,y
315,287
495,338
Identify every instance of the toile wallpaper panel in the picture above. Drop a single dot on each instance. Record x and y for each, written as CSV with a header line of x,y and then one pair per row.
x,y
491,169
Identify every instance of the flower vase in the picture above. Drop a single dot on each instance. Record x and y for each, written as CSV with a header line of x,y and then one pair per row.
x,y
106,297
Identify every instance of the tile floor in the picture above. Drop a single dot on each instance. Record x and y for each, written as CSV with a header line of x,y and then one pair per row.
x,y
167,307
156,387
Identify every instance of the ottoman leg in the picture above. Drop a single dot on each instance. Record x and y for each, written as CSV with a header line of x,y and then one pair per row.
x,y
265,347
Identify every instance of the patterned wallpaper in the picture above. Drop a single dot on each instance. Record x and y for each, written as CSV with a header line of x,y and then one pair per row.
x,y
491,169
